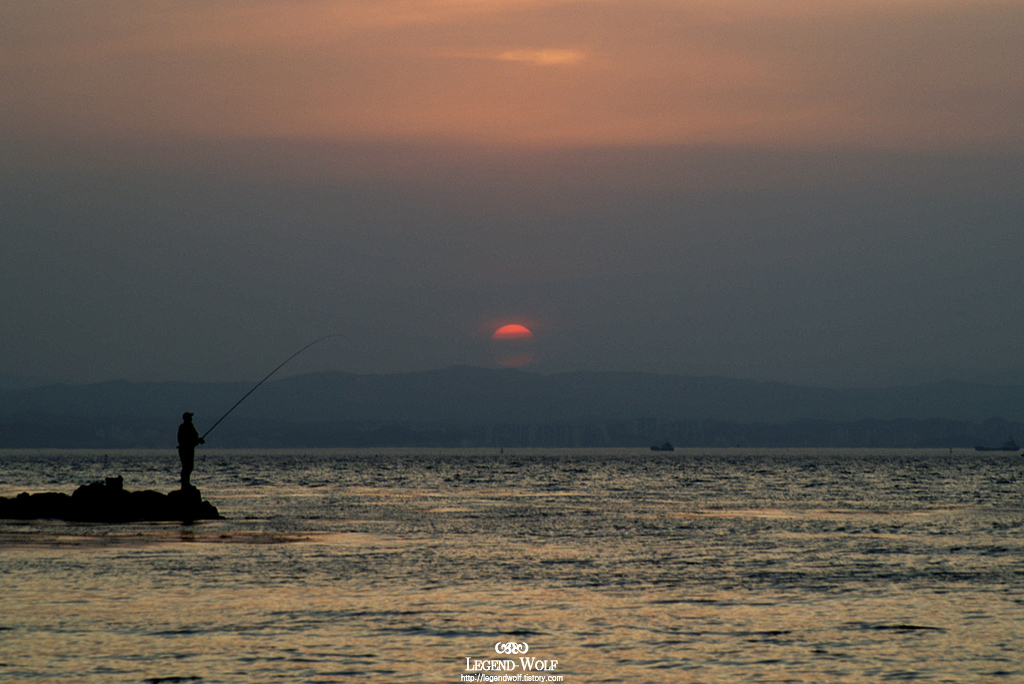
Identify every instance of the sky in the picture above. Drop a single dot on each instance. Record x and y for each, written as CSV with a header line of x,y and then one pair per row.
x,y
816,193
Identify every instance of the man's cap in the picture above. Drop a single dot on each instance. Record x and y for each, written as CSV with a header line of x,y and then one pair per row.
x,y
186,415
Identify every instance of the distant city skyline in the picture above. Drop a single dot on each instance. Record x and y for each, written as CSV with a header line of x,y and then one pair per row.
x,y
826,195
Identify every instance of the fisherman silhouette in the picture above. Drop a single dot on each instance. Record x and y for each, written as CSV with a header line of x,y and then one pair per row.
x,y
188,439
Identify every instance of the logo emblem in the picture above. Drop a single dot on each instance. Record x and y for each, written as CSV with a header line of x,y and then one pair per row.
x,y
511,648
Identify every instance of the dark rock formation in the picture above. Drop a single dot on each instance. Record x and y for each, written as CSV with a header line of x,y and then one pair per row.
x,y
110,502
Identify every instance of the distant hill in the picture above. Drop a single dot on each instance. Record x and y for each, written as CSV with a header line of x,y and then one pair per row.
x,y
464,405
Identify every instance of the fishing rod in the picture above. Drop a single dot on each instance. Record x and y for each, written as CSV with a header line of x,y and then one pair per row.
x,y
320,339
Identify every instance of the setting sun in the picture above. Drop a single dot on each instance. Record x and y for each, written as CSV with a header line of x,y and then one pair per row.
x,y
513,331
512,346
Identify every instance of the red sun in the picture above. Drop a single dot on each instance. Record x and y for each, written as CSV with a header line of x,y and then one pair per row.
x,y
513,331
512,346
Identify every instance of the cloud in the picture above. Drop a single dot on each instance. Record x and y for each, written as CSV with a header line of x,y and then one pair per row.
x,y
543,57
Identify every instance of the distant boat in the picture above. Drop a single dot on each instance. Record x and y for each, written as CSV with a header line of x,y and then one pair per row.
x,y
1008,445
665,446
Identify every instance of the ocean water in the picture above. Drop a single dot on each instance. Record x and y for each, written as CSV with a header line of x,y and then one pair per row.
x,y
603,566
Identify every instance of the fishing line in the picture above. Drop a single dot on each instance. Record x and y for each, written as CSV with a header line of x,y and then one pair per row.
x,y
321,339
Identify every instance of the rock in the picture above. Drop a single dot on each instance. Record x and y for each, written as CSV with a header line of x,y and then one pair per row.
x,y
108,501
26,506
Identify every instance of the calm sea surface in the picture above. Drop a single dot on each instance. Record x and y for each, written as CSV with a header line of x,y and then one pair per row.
x,y
622,566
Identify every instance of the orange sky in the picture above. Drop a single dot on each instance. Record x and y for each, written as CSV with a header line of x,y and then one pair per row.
x,y
918,74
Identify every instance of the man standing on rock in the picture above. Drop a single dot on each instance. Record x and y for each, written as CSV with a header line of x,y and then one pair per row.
x,y
188,439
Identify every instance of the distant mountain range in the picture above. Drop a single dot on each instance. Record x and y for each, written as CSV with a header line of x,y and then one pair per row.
x,y
471,406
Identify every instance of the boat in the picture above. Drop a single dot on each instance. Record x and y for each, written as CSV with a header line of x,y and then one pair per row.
x,y
665,446
1008,445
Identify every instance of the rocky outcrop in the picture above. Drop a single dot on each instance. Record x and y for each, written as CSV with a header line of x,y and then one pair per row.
x,y
110,502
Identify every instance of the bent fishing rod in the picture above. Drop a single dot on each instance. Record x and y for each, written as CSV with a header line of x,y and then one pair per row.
x,y
316,341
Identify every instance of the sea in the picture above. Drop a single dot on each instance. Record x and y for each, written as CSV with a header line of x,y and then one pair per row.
x,y
572,565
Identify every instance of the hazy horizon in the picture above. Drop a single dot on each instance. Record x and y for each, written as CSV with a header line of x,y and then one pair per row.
x,y
1007,378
